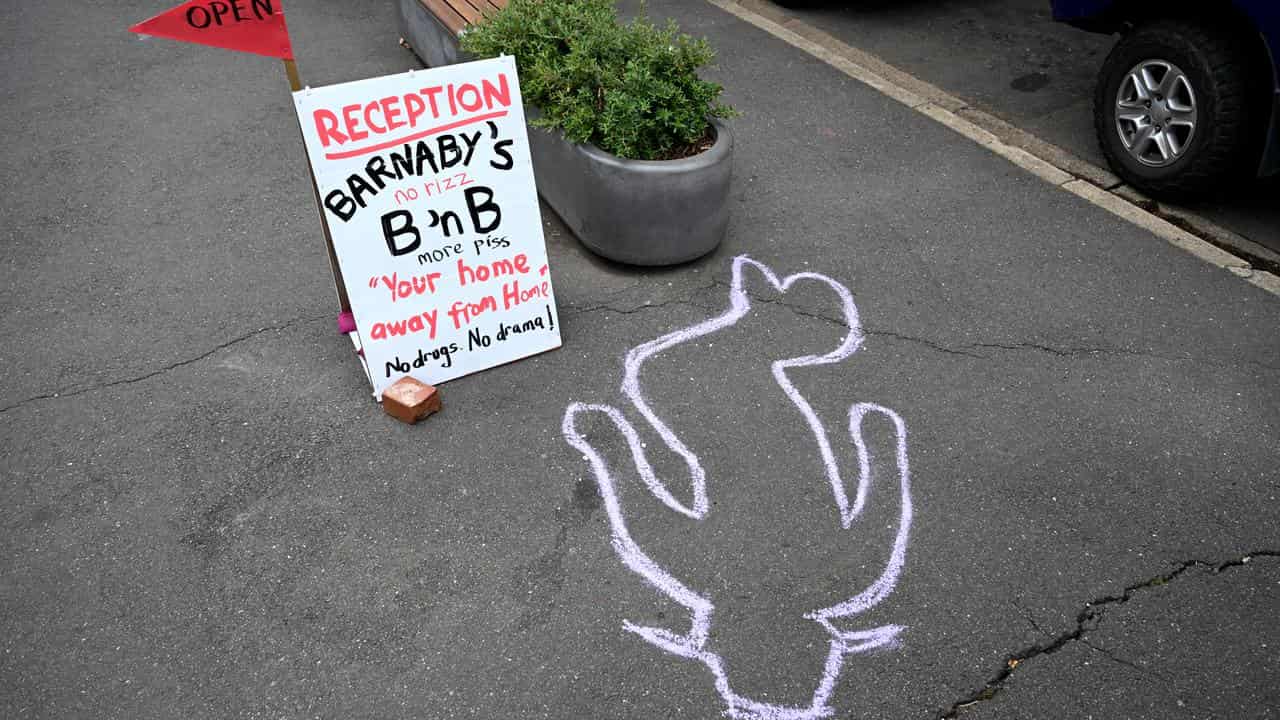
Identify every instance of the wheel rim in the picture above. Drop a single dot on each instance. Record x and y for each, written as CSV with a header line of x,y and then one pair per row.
x,y
1156,112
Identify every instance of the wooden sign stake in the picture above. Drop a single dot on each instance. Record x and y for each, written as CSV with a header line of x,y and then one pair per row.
x,y
295,84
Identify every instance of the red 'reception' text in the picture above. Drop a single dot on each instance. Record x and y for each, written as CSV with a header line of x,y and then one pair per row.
x,y
397,119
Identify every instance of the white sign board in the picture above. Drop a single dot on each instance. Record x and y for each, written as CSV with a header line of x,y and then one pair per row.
x,y
426,181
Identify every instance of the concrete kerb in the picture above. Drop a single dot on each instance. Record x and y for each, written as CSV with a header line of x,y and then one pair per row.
x,y
1018,137
1043,159
1203,227
1014,154
1160,227
931,93
1265,280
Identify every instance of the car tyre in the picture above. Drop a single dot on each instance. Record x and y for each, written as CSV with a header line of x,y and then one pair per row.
x,y
1219,145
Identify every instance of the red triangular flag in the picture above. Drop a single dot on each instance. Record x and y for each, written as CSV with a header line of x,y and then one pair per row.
x,y
255,26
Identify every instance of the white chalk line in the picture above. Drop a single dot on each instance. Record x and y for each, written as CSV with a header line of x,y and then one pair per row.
x,y
693,644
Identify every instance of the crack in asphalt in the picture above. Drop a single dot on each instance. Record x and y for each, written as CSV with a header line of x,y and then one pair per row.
x,y
1087,620
1073,352
966,350
684,299
74,391
928,343
688,300
1119,660
1066,352
1026,615
644,307
971,350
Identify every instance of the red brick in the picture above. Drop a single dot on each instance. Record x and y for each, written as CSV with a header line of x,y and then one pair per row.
x,y
409,400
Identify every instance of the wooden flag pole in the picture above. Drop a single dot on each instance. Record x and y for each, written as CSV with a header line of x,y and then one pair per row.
x,y
291,69
295,83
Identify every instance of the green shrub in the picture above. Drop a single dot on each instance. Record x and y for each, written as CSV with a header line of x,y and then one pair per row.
x,y
630,89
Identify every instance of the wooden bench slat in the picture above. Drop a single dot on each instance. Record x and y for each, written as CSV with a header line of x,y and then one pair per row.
x,y
445,12
487,7
482,8
458,14
464,8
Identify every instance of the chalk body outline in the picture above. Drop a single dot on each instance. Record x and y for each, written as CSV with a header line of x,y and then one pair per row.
x,y
693,645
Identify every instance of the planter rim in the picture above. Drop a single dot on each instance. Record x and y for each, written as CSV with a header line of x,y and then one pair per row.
x,y
711,156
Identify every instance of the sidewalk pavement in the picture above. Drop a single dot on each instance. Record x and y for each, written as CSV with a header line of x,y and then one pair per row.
x,y
206,517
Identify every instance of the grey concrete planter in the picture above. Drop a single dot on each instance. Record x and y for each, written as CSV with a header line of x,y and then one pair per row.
x,y
636,211
632,211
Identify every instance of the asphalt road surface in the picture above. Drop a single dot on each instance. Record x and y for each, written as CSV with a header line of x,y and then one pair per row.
x,y
204,516
1009,58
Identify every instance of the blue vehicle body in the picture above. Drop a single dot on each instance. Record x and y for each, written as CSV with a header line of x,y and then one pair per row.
x,y
1109,16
